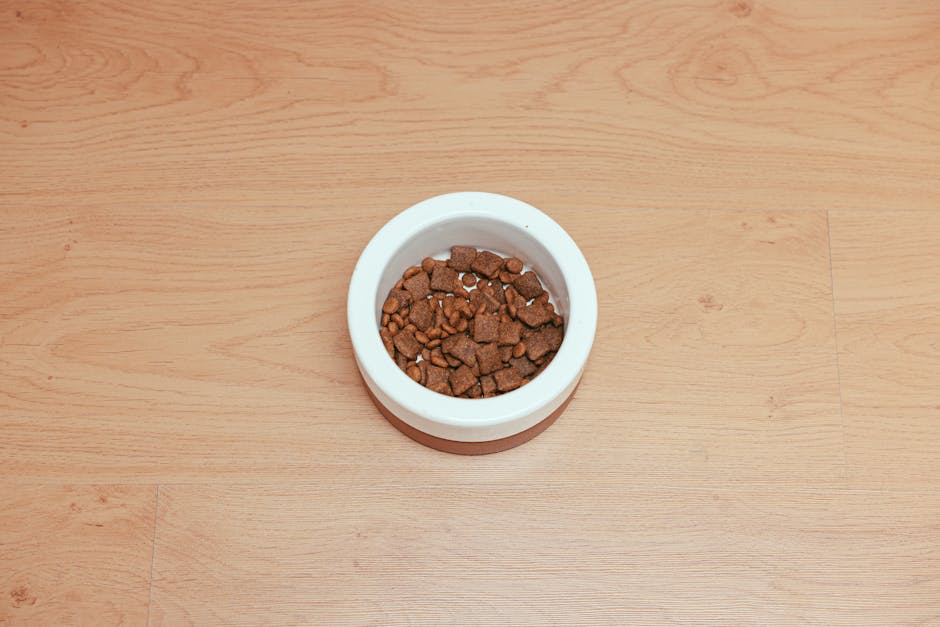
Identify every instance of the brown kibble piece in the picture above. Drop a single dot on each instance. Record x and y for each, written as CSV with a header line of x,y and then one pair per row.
x,y
428,265
534,315
388,341
468,280
434,343
509,333
537,346
391,305
487,264
385,319
518,350
488,358
410,272
498,293
479,297
514,265
464,308
434,333
401,361
443,278
475,392
436,375
461,347
415,373
453,362
462,380
448,329
406,343
507,277
418,286
486,328
398,320
507,379
423,366
403,297
505,353
411,327
459,292
437,358
426,354
557,320
421,337
528,285
523,365
461,325
462,257
441,388
554,336
422,315
393,328
487,386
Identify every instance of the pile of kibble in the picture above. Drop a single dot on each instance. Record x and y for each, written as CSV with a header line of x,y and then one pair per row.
x,y
475,325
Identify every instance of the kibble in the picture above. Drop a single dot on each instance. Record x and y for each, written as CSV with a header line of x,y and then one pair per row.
x,y
475,325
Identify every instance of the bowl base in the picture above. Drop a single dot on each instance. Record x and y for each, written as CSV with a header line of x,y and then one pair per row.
x,y
469,448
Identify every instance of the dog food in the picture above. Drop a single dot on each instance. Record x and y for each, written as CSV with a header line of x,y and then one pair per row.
x,y
474,326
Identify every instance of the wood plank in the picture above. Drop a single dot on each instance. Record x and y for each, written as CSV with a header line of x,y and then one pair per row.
x,y
584,104
543,554
175,348
887,285
75,555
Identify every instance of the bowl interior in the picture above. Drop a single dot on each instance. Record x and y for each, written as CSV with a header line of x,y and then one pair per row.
x,y
481,233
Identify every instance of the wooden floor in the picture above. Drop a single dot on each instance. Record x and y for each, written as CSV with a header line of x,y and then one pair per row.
x,y
185,188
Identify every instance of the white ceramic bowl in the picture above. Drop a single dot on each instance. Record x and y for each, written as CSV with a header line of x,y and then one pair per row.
x,y
487,221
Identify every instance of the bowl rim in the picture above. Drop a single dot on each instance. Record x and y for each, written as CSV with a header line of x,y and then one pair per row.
x,y
580,323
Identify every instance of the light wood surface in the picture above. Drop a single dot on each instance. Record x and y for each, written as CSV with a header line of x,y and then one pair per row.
x,y
887,277
543,554
76,554
184,190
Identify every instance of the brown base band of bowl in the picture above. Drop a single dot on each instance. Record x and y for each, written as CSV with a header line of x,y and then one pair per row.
x,y
469,448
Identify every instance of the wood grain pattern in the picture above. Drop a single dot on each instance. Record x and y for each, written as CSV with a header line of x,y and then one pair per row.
x,y
536,554
887,281
587,104
213,349
75,555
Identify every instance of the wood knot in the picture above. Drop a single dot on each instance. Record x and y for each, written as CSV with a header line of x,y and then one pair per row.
x,y
22,596
740,8
709,303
